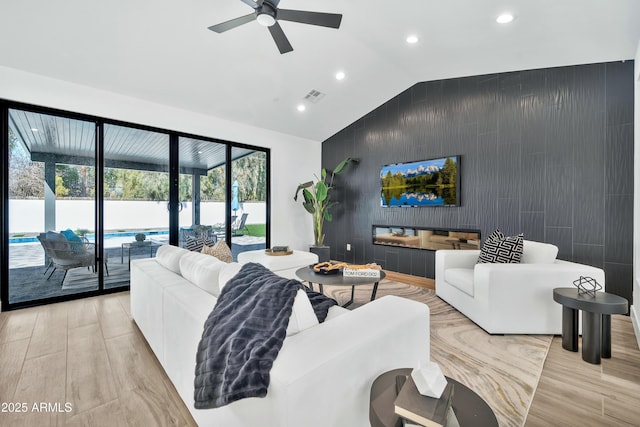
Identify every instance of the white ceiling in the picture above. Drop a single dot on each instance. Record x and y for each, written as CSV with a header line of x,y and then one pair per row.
x,y
162,51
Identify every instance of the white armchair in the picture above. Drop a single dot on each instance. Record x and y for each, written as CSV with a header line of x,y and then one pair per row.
x,y
509,298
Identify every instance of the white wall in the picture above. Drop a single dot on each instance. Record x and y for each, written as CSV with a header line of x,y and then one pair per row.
x,y
27,216
293,159
635,309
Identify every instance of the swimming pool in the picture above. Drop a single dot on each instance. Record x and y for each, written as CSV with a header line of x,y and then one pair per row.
x,y
91,237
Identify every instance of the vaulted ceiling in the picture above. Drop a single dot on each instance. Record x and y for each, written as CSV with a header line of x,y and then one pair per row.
x,y
162,51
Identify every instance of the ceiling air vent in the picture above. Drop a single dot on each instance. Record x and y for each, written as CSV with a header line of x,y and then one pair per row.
x,y
314,96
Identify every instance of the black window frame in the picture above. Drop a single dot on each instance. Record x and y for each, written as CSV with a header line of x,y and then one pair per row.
x,y
174,167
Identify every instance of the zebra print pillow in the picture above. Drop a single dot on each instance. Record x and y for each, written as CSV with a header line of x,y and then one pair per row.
x,y
501,249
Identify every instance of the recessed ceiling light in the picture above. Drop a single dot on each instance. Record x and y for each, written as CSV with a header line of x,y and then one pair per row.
x,y
301,107
412,39
505,18
340,75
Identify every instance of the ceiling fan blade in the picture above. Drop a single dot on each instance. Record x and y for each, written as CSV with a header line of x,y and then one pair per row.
x,y
254,4
233,23
331,20
281,40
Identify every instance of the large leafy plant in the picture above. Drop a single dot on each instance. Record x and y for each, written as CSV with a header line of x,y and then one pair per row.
x,y
317,199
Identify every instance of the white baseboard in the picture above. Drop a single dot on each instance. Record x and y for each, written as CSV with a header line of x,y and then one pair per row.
x,y
635,319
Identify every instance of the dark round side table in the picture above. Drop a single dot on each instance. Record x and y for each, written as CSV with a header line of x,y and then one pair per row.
x,y
470,409
597,309
307,274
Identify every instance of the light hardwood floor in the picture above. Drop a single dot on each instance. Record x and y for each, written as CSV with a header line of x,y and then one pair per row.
x,y
572,392
90,354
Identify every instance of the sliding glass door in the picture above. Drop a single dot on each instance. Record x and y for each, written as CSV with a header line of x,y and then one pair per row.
x,y
136,198
248,200
51,207
203,186
83,197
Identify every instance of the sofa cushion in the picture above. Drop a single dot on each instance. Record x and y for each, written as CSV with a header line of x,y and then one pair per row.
x,y
461,279
220,250
302,315
538,253
202,270
500,249
335,311
169,256
227,272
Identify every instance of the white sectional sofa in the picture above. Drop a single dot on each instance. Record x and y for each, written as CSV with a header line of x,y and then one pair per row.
x,y
322,374
509,298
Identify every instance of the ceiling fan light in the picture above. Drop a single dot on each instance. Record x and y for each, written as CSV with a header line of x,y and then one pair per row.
x,y
266,19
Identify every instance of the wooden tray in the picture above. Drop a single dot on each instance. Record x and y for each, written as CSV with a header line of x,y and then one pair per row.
x,y
270,252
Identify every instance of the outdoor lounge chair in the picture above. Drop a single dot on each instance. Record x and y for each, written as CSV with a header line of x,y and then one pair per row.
x,y
241,224
66,255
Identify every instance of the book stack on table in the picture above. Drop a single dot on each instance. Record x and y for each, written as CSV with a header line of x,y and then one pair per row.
x,y
361,272
424,410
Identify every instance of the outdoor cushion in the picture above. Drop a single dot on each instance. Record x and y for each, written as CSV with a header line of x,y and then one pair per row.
x,y
197,243
52,235
71,236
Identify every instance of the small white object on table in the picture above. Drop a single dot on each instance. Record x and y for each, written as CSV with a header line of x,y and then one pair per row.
x,y
429,379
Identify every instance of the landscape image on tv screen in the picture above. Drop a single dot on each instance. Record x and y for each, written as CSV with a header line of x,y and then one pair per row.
x,y
425,183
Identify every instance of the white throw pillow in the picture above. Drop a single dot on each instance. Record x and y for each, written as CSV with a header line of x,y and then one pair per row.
x,y
538,253
302,316
202,270
227,272
169,256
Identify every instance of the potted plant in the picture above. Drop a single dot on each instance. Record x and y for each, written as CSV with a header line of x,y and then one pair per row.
x,y
317,201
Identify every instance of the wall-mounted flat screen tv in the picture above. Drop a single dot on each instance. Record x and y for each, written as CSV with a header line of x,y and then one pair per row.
x,y
433,182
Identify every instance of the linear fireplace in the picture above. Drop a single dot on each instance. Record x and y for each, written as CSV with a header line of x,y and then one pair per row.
x,y
426,237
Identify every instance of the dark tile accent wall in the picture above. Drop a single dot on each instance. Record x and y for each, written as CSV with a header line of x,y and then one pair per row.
x,y
545,152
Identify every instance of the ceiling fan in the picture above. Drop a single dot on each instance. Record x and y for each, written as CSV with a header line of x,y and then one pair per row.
x,y
268,14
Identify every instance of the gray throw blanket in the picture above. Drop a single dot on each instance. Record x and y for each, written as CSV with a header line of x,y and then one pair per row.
x,y
244,333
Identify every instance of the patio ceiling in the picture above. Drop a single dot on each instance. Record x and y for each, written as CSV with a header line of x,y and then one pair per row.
x,y
62,140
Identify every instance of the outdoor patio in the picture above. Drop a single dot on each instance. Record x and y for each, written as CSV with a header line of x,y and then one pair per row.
x,y
28,282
